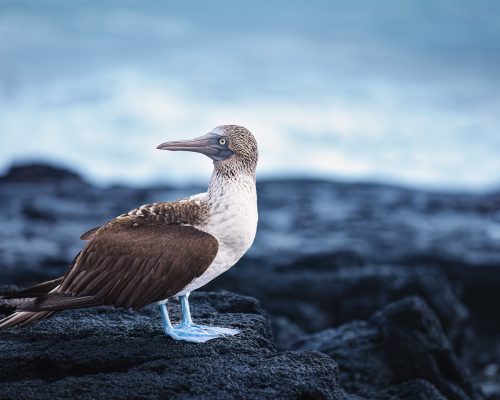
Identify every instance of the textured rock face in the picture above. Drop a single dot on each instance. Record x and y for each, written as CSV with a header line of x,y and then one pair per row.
x,y
108,353
310,298
401,352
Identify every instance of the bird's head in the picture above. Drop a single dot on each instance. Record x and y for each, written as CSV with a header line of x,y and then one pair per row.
x,y
232,148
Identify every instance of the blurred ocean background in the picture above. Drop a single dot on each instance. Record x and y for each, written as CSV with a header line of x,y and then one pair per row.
x,y
400,92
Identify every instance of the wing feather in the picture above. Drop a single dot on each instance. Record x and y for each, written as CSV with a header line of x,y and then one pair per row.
x,y
144,256
130,264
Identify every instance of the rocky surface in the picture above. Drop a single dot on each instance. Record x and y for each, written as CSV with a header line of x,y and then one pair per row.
x,y
401,352
313,298
109,353
326,253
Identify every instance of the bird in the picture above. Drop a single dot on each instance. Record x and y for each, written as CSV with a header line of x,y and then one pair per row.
x,y
166,250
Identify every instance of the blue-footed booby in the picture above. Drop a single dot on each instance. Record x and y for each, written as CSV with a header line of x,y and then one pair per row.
x,y
163,250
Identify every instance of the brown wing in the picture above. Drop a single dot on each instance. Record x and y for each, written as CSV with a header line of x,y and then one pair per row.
x,y
185,211
131,262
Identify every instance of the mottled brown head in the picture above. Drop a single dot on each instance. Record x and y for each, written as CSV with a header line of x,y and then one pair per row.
x,y
243,145
232,147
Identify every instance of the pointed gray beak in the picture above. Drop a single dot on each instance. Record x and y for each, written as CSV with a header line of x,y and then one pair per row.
x,y
207,144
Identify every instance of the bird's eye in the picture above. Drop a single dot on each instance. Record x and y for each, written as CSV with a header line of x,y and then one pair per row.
x,y
222,141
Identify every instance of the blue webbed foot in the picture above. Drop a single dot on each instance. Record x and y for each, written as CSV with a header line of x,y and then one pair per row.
x,y
199,333
189,331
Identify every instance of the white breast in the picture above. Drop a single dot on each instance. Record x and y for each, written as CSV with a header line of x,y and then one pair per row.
x,y
233,222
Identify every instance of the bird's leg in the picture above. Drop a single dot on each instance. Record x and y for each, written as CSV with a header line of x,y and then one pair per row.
x,y
186,312
165,319
189,331
195,332
174,332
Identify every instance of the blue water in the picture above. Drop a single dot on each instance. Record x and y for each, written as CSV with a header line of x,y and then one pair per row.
x,y
388,91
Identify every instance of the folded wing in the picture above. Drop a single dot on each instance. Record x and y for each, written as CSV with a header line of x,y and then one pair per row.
x,y
131,262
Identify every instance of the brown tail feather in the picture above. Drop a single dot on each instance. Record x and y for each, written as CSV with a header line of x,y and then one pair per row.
x,y
36,290
22,318
59,302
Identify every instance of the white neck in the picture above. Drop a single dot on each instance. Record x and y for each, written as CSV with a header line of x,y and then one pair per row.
x,y
222,185
233,209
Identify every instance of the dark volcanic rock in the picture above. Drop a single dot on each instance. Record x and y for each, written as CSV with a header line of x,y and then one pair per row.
x,y
39,173
317,298
325,252
401,352
108,353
